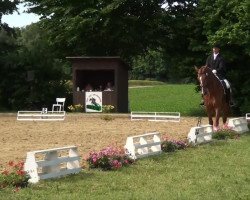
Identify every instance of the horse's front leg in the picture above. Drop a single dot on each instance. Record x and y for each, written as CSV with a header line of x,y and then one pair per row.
x,y
210,117
217,117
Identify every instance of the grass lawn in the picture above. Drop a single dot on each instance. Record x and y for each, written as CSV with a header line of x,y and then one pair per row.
x,y
167,98
219,170
144,83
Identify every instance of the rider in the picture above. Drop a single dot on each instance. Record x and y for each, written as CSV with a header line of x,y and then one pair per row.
x,y
216,62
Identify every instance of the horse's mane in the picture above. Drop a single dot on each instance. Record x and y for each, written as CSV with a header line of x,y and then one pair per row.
x,y
204,69
210,74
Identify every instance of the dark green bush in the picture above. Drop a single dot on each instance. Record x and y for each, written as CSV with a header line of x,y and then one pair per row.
x,y
224,134
168,146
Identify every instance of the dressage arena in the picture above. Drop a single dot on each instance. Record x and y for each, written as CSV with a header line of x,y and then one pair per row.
x,y
88,132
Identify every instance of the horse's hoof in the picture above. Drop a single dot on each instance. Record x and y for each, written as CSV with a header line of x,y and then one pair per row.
x,y
216,128
225,126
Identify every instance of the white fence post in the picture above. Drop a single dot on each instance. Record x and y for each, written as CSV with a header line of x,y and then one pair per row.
x,y
43,115
248,116
238,124
143,145
200,134
53,165
156,116
31,167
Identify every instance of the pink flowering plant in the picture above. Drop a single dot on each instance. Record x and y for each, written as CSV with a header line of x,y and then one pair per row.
x,y
13,175
109,158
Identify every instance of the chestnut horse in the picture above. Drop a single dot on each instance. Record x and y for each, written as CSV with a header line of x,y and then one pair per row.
x,y
215,99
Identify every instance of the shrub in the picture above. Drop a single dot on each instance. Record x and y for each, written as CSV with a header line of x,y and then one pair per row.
x,y
168,146
109,158
107,117
108,108
14,175
223,134
76,108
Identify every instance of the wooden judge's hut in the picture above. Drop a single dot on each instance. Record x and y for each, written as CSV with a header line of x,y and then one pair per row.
x,y
98,72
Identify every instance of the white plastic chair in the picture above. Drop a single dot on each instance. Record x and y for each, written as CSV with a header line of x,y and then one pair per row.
x,y
59,106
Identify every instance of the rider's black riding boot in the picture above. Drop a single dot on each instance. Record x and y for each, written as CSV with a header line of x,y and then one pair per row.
x,y
202,101
230,97
232,102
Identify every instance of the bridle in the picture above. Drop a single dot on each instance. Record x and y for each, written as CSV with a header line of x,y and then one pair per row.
x,y
203,87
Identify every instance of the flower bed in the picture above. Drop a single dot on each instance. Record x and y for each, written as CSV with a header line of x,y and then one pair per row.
x,y
170,145
13,175
109,158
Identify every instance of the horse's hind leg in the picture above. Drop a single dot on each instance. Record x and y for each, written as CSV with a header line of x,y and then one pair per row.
x,y
224,118
226,111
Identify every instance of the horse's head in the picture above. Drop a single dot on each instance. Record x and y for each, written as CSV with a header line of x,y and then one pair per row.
x,y
204,75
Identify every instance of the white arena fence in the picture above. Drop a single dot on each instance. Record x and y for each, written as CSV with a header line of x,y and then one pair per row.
x,y
248,116
156,116
40,116
238,124
200,134
52,163
140,146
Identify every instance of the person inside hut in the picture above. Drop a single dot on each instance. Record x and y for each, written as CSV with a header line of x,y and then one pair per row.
x,y
100,88
109,87
88,88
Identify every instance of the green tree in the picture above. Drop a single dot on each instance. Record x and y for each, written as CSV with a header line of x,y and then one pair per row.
x,y
7,39
32,76
125,28
149,66
176,45
7,7
100,27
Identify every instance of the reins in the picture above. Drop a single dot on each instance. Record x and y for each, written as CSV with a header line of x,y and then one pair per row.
x,y
221,83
